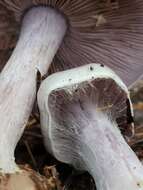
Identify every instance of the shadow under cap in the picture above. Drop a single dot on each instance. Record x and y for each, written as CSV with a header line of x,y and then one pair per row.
x,y
111,35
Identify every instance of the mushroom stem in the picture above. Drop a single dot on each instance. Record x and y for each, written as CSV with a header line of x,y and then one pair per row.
x,y
41,34
105,154
80,115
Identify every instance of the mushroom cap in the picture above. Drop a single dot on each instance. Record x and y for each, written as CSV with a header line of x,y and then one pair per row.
x,y
92,84
106,33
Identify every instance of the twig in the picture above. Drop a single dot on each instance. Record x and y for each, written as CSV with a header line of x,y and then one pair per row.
x,y
31,155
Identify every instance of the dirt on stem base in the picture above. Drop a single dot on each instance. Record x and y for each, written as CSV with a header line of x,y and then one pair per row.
x,y
26,179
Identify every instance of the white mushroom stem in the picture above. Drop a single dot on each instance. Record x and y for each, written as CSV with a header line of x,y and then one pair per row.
x,y
41,34
106,155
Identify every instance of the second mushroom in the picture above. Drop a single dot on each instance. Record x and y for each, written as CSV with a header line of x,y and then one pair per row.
x,y
80,115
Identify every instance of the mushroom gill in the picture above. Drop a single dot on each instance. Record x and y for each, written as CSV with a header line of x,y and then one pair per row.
x,y
99,31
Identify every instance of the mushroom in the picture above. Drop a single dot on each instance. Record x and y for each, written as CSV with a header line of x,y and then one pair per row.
x,y
80,115
40,26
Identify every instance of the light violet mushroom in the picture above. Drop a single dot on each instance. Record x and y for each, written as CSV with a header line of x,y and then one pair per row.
x,y
90,31
42,28
80,115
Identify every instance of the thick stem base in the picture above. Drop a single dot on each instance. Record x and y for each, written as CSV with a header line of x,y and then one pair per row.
x,y
107,156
